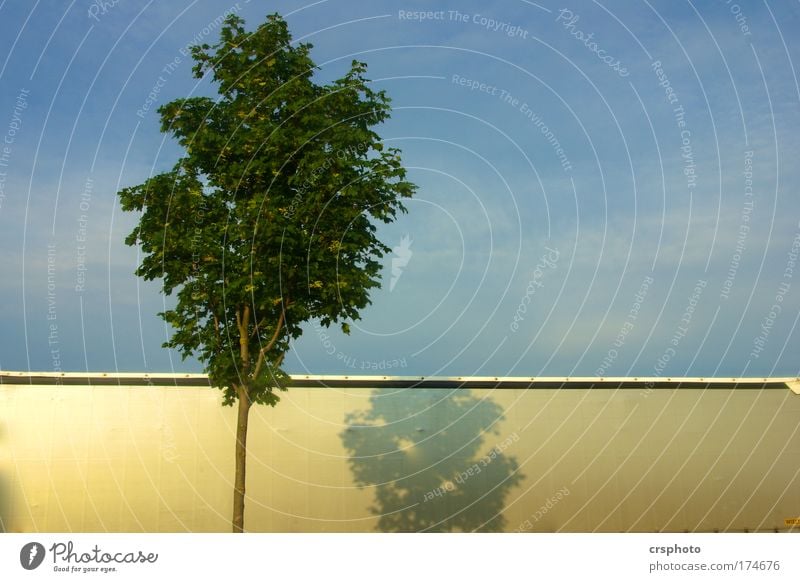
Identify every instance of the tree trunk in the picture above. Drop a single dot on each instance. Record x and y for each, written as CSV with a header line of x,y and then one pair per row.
x,y
241,460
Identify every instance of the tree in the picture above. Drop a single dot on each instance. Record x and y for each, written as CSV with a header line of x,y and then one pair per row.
x,y
269,218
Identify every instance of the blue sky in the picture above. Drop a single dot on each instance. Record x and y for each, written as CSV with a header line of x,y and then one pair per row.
x,y
605,188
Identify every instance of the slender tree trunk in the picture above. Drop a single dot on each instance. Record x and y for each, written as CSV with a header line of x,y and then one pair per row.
x,y
241,460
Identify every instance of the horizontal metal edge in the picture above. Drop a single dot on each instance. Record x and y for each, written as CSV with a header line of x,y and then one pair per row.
x,y
403,382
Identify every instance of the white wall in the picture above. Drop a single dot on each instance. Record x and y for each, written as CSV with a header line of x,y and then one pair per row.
x,y
75,458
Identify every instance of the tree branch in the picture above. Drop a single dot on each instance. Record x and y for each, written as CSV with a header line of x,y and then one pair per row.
x,y
216,328
255,325
263,351
244,341
212,308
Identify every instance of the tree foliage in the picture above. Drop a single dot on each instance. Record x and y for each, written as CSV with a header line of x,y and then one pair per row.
x,y
268,220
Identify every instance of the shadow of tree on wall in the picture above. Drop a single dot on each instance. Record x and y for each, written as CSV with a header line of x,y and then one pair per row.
x,y
434,458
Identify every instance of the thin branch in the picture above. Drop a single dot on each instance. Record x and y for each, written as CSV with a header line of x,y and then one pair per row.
x,y
244,341
255,325
263,351
216,328
212,307
275,335
286,304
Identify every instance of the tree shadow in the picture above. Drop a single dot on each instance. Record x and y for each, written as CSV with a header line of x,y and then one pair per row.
x,y
434,458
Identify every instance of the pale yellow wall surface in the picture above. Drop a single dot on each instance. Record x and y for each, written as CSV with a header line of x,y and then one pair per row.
x,y
155,459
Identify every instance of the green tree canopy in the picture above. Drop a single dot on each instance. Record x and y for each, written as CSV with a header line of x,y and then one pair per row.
x,y
269,218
